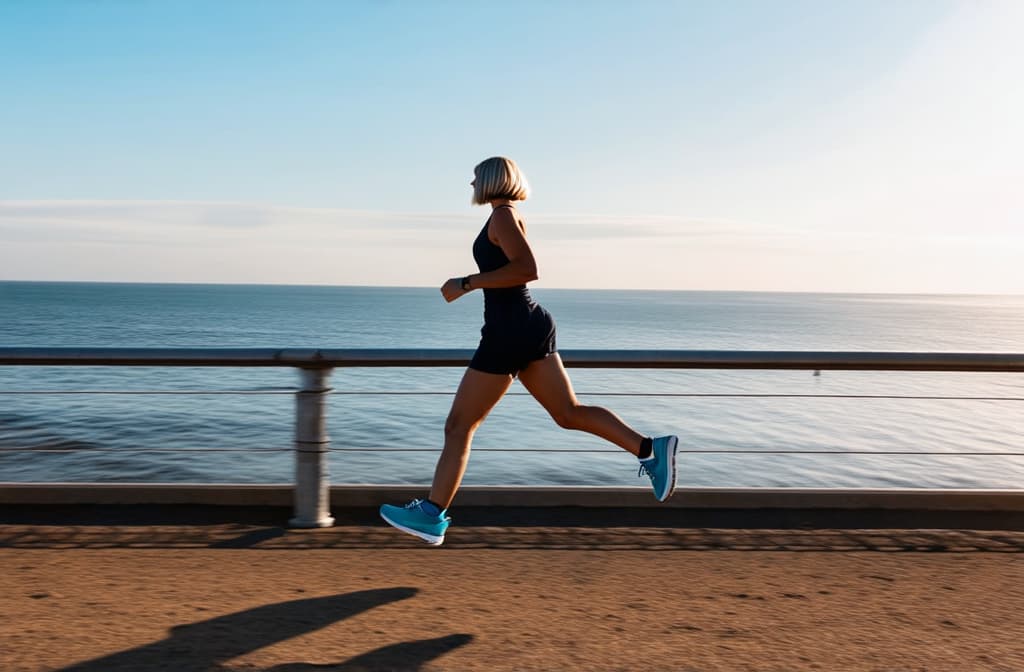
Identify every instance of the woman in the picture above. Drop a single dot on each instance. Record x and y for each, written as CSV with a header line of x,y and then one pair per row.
x,y
518,339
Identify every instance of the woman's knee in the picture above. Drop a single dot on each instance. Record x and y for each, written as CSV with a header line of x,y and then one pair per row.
x,y
570,416
458,425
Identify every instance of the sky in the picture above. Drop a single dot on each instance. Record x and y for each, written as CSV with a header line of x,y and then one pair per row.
x,y
842,146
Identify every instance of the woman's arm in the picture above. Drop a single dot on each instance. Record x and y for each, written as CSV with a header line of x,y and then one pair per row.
x,y
521,268
510,237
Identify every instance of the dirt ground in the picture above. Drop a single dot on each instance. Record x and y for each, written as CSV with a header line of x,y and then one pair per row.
x,y
250,597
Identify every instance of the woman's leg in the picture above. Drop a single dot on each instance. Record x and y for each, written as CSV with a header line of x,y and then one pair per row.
x,y
478,393
547,380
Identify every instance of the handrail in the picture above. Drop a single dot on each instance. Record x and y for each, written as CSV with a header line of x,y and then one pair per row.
x,y
311,446
311,358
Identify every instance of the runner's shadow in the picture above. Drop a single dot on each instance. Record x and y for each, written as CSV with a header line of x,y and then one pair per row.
x,y
410,656
206,644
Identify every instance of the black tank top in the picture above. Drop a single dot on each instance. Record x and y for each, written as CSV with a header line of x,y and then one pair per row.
x,y
505,301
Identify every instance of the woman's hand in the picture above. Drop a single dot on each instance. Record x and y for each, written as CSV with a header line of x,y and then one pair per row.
x,y
452,289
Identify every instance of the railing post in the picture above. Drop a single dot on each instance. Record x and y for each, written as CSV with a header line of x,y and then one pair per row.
x,y
312,487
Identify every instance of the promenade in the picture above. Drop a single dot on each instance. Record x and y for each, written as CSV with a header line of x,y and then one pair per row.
x,y
134,588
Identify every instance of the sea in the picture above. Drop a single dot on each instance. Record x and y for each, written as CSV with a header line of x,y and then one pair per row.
x,y
756,428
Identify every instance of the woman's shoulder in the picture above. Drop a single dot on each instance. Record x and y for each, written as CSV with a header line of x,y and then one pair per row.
x,y
507,212
505,218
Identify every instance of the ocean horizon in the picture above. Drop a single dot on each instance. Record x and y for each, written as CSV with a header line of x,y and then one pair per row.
x,y
185,283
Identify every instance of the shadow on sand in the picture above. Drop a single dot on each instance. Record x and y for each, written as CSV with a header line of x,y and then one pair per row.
x,y
404,656
207,645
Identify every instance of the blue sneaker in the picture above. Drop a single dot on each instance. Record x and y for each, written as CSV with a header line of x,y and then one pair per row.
x,y
660,467
412,518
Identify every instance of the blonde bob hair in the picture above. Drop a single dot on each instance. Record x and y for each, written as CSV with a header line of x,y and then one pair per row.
x,y
498,177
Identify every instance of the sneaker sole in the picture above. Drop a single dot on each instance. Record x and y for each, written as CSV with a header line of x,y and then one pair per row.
x,y
431,539
673,443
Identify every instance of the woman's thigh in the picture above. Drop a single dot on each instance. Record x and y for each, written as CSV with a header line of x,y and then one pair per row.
x,y
478,393
547,380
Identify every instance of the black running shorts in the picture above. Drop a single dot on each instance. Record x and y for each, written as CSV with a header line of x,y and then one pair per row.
x,y
509,344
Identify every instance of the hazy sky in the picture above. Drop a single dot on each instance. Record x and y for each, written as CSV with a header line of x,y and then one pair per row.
x,y
805,146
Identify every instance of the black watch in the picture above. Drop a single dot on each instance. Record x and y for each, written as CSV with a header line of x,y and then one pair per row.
x,y
465,283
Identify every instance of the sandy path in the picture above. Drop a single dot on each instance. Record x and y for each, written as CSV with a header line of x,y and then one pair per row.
x,y
232,597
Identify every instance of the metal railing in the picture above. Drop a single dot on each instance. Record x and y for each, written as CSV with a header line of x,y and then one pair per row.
x,y
591,359
311,491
